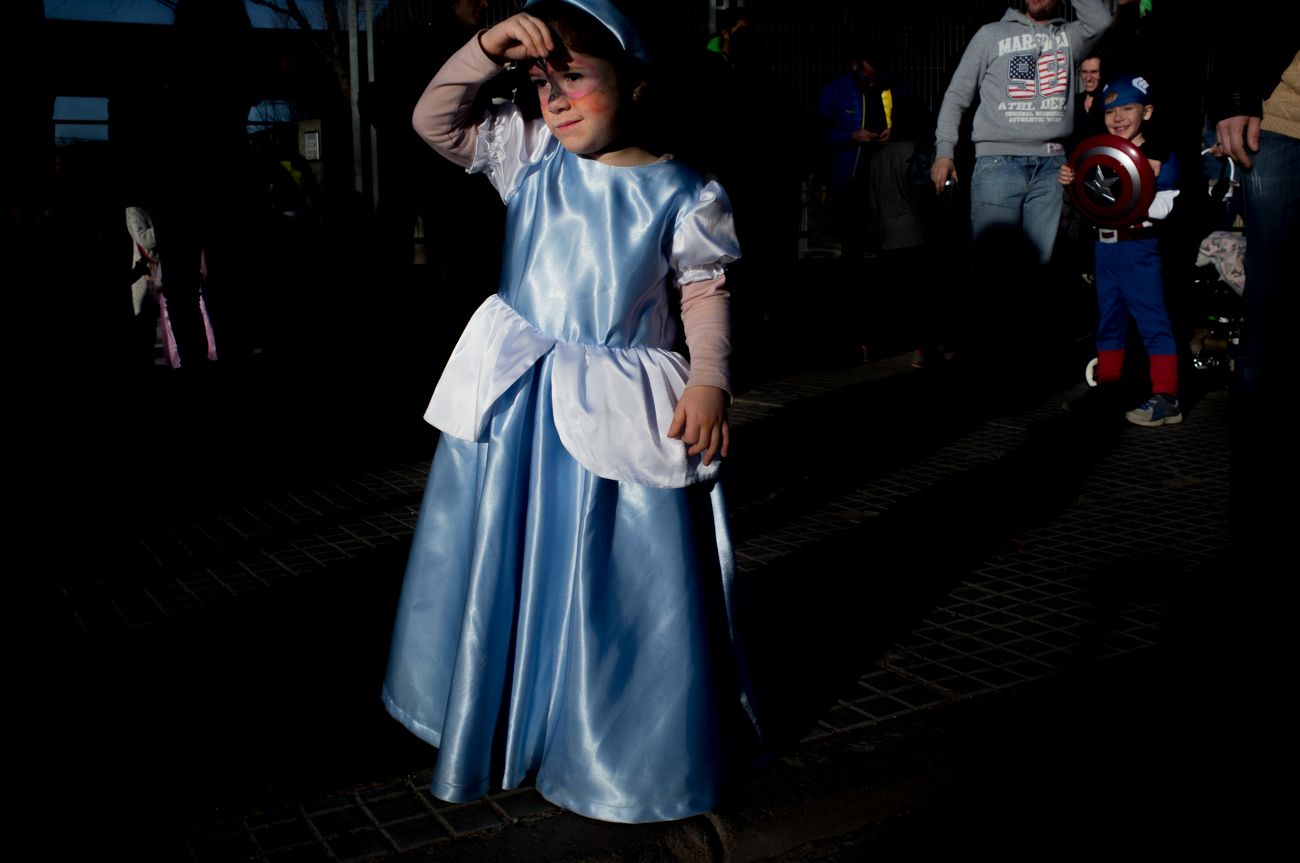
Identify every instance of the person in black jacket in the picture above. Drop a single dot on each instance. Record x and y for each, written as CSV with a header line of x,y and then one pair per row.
x,y
1089,115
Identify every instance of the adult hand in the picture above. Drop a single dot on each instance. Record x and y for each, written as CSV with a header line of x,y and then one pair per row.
x,y
883,137
1238,138
521,37
700,421
940,171
862,136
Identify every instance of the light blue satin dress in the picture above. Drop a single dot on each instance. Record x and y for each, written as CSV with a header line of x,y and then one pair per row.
x,y
566,613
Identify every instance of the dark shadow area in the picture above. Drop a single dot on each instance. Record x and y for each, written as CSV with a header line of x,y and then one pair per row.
x,y
817,616
246,705
1125,755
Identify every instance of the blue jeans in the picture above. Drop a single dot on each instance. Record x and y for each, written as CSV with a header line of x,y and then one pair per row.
x,y
1018,192
1263,447
1272,192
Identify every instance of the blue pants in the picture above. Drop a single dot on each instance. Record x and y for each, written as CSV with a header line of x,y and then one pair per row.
x,y
1129,282
1263,449
1018,192
1272,192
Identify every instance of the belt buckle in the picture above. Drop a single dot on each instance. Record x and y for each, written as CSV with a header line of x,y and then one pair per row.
x,y
1108,235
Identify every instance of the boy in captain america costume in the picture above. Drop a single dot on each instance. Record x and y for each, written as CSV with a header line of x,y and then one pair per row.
x,y
1129,278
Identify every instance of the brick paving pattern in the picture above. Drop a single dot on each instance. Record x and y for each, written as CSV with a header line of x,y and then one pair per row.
x,y
1035,604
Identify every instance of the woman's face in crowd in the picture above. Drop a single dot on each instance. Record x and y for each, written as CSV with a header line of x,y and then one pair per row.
x,y
1091,72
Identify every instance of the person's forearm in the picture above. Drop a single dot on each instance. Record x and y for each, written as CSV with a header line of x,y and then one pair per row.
x,y
706,317
1093,17
443,115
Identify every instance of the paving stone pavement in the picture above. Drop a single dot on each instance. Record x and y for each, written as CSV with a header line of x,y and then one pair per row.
x,y
1002,549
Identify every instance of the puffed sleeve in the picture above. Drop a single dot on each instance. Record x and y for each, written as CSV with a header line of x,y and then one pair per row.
x,y
705,237
508,146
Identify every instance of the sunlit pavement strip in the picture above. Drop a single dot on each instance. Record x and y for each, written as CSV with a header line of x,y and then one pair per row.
x,y
1025,612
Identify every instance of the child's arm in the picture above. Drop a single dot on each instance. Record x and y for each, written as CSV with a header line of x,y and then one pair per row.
x,y
700,420
442,116
1163,204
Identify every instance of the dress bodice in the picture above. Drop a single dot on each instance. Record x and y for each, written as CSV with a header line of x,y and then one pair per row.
x,y
591,249
586,256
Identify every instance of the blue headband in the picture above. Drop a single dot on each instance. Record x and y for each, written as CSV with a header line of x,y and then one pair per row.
x,y
1126,90
615,21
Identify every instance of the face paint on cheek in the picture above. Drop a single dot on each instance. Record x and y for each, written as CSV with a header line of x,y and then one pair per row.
x,y
594,102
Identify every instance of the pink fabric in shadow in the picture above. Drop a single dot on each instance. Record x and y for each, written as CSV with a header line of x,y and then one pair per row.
x,y
171,352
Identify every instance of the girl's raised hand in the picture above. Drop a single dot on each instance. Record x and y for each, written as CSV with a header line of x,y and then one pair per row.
x,y
701,422
517,38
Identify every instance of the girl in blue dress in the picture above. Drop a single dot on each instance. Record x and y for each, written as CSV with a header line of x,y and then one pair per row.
x,y
567,611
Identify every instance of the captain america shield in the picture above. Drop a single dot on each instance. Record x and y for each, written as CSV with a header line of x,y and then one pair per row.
x,y
1113,182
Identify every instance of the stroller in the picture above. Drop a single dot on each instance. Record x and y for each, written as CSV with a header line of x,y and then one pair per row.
x,y
1220,276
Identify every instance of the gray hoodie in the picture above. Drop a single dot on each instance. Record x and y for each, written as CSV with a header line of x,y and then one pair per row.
x,y
1024,74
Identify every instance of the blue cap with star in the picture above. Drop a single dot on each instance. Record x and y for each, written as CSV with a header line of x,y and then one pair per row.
x,y
1126,90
